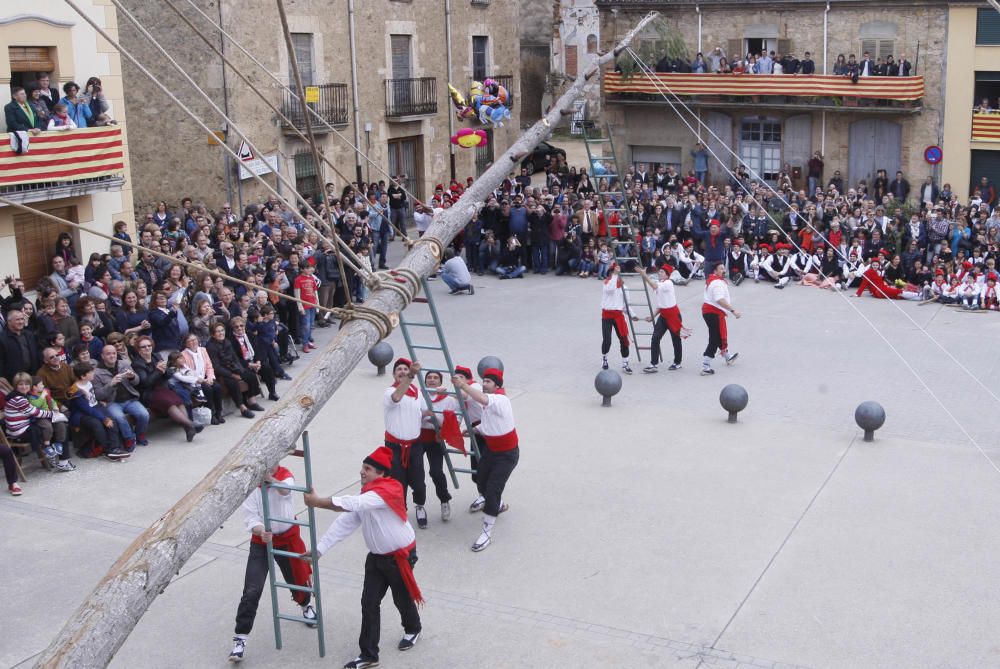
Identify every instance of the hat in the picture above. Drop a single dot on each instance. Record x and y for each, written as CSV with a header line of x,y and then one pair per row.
x,y
715,221
380,459
738,242
967,264
885,252
495,375
666,267
764,247
464,371
402,361
439,187
688,242
992,276
939,272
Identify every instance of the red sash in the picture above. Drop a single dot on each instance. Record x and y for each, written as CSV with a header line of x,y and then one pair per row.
x,y
621,328
290,540
672,316
391,492
723,330
503,442
404,447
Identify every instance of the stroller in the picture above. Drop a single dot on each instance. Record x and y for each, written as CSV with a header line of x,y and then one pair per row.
x,y
288,352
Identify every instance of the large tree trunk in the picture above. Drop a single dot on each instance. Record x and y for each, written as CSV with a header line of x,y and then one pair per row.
x,y
100,626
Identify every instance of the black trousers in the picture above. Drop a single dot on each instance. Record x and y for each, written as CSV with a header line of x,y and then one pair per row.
x,y
434,451
495,467
9,464
233,385
213,393
607,325
411,475
106,438
253,585
381,575
659,329
714,334
481,445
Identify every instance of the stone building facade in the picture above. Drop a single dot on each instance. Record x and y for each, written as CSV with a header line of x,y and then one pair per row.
x,y
855,137
402,116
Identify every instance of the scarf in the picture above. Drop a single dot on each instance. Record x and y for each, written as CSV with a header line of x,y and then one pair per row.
x,y
291,540
391,492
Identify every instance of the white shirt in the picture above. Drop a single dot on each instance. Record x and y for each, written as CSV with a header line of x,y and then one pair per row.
x,y
281,506
612,299
383,530
666,296
498,416
716,291
447,403
402,418
473,408
422,220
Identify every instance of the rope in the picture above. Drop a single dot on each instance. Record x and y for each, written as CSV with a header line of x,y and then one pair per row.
x,y
355,261
656,82
645,69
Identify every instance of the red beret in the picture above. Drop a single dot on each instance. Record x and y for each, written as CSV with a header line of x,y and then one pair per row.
x,y
464,371
402,361
494,375
688,242
380,458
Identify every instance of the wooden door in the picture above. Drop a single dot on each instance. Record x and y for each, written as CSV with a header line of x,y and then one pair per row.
x,y
36,243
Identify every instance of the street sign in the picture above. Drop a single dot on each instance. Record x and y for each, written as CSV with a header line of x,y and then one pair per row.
x,y
312,94
933,154
257,166
245,152
217,137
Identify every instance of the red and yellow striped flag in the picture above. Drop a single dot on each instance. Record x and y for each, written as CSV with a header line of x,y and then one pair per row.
x,y
986,127
64,156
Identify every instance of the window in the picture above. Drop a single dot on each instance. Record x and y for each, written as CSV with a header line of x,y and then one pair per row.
x,y
571,60
760,147
302,43
591,43
988,89
26,61
878,48
402,68
878,38
988,27
405,157
484,153
480,56
306,179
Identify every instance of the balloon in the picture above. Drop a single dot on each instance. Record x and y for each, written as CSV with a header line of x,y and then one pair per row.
x,y
468,138
488,101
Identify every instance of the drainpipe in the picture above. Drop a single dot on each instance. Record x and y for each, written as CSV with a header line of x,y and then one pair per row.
x,y
451,117
354,89
227,166
697,10
822,141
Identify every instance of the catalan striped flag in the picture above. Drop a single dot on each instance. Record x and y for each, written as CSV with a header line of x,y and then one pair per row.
x,y
66,155
986,127
802,85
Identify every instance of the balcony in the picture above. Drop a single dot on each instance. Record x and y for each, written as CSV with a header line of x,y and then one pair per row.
x,y
505,80
334,100
409,98
896,95
63,164
986,127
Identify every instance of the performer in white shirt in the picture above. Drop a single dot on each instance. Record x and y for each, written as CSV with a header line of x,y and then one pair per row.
x,y
380,512
283,536
613,316
498,460
669,318
474,412
713,310
433,444
402,409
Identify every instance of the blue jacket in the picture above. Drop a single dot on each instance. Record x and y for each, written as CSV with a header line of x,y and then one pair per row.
x,y
79,112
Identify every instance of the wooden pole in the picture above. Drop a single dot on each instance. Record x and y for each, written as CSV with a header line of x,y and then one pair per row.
x,y
98,628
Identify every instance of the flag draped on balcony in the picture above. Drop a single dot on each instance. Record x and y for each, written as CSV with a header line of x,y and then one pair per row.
x,y
64,156
986,127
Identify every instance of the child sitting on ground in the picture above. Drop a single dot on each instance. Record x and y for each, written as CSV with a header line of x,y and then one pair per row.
x,y
54,429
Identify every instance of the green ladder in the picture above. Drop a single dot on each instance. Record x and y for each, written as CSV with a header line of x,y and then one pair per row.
x,y
441,346
272,552
625,246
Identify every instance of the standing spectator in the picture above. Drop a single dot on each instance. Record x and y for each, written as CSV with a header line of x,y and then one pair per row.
x,y
815,175
78,110
20,116
306,289
700,156
93,97
39,104
900,188
397,203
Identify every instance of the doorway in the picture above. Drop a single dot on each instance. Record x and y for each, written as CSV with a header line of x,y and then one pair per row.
x,y
406,158
36,243
760,147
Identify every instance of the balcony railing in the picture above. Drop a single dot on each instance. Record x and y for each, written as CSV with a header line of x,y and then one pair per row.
x,y
505,80
410,97
832,92
986,127
334,100
88,158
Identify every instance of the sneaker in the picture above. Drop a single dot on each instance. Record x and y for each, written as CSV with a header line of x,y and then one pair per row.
x,y
361,663
674,367
141,440
626,368
604,365
64,466
482,543
731,358
478,504
421,517
503,507
239,648
707,371
445,512
14,490
58,446
650,369
309,613
116,454
738,279
50,453
408,641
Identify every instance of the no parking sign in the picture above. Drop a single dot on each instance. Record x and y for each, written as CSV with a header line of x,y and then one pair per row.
x,y
933,155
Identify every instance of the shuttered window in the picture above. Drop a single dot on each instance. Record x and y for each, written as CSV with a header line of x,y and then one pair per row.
x,y
303,45
402,68
36,242
306,182
988,26
31,59
571,60
878,48
480,54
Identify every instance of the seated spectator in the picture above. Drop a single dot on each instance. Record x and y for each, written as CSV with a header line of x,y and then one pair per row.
x,y
196,358
231,368
18,347
116,386
89,419
165,331
22,421
56,374
65,323
53,430
253,354
154,388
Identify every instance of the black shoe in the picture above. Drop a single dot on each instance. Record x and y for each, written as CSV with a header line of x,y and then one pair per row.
x,y
198,427
455,291
189,432
361,663
215,420
472,290
383,266
408,641
220,419
255,407
246,413
285,377
273,397
604,365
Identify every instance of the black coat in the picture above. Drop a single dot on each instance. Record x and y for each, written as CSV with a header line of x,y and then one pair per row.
x,y
224,357
12,358
16,119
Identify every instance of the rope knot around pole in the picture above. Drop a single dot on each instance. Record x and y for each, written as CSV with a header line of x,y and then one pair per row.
x,y
384,323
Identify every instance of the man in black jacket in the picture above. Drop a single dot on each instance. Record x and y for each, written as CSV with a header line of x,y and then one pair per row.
x,y
900,187
50,96
397,203
807,66
18,347
21,117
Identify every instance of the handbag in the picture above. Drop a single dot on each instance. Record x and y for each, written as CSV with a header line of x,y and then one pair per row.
x,y
201,415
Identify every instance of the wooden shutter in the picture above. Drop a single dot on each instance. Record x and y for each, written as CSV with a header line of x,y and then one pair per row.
x,y
885,48
480,52
36,238
988,26
302,43
869,45
401,67
30,59
571,60
784,46
734,50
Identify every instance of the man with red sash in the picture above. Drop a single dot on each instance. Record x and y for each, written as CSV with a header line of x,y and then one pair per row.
x,y
402,407
474,412
613,317
433,444
669,319
283,536
380,512
713,310
498,460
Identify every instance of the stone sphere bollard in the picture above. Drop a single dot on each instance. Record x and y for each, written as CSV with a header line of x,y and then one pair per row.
x,y
608,383
380,355
489,362
733,399
869,416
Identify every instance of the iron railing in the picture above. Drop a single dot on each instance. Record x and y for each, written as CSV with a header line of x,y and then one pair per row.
x,y
410,97
334,100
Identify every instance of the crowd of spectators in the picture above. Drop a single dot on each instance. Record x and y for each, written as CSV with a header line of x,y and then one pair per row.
x,y
39,107
770,62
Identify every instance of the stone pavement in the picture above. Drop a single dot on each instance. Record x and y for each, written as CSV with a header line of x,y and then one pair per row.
x,y
651,533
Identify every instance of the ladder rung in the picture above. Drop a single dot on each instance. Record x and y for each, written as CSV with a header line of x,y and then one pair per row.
x,y
285,486
421,300
298,619
288,554
298,453
434,369
596,140
643,348
292,586
427,348
464,471
289,521
410,324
